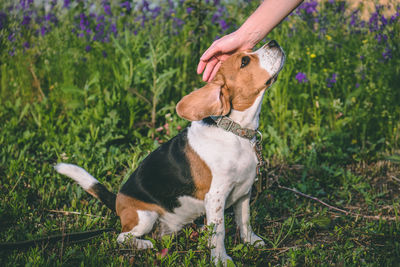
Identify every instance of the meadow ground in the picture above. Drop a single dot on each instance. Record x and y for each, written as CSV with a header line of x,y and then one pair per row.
x,y
95,83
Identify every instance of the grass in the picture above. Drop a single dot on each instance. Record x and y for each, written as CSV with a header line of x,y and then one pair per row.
x,y
104,105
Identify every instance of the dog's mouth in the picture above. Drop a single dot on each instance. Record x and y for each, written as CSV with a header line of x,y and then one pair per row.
x,y
272,58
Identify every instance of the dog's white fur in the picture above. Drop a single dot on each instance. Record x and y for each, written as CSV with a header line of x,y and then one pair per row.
x,y
78,174
229,185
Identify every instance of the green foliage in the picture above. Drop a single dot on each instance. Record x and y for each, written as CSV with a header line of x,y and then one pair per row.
x,y
105,103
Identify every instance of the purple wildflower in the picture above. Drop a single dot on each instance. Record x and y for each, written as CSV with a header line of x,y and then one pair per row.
x,y
218,14
178,22
332,80
301,77
155,12
145,6
224,26
25,3
104,53
387,54
357,85
11,37
114,28
107,9
51,17
12,52
392,18
383,20
373,22
380,37
66,3
88,48
189,10
26,20
100,18
53,3
26,45
126,5
354,18
43,30
214,18
83,22
341,7
308,7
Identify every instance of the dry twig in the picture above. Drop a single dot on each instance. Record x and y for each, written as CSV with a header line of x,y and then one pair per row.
x,y
66,212
353,214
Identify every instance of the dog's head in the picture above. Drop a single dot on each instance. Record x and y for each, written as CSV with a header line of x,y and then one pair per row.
x,y
241,78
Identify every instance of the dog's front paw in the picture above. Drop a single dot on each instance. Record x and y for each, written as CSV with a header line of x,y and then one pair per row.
x,y
256,240
222,260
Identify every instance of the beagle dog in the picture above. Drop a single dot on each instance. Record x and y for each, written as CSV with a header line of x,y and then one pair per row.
x,y
207,167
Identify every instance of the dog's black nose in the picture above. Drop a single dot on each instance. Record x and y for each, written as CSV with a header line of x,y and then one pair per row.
x,y
273,43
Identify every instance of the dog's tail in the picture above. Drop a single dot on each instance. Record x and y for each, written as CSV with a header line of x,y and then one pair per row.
x,y
88,182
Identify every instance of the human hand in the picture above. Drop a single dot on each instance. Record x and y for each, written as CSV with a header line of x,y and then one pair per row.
x,y
218,52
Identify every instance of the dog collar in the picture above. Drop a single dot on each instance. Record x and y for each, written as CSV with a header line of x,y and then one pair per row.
x,y
229,125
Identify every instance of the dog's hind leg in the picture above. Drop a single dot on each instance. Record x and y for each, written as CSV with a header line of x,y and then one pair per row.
x,y
136,223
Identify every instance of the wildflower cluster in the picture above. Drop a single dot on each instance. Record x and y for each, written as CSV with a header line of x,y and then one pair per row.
x,y
97,22
301,77
331,81
378,25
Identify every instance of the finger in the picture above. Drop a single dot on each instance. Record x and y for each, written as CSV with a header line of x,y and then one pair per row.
x,y
211,51
215,70
207,55
201,66
209,68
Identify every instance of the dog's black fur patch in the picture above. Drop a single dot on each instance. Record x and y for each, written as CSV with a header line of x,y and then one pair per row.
x,y
107,197
163,176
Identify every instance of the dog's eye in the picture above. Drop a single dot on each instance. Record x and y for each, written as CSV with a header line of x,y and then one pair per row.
x,y
268,82
245,61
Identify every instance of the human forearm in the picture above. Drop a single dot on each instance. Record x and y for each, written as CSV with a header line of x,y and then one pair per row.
x,y
269,14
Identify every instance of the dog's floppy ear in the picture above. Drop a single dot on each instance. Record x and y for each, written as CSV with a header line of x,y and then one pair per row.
x,y
210,100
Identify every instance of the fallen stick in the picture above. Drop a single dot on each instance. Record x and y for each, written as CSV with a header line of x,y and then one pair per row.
x,y
357,215
66,212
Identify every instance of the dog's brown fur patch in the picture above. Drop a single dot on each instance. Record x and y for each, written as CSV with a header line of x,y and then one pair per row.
x,y
200,171
244,84
127,208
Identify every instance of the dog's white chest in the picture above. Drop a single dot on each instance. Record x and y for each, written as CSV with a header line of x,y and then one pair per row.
x,y
231,159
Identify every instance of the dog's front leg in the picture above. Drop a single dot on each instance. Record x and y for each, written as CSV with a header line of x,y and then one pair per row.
x,y
242,218
215,206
